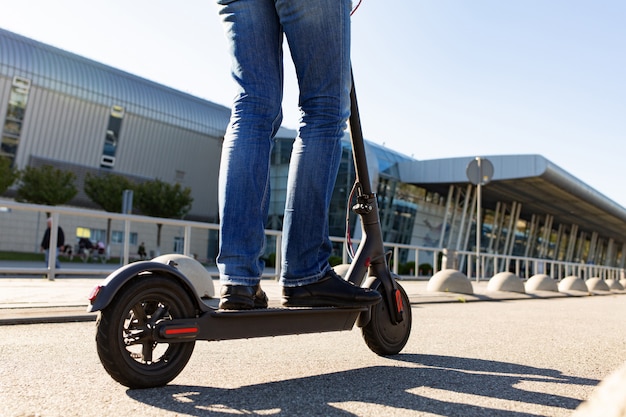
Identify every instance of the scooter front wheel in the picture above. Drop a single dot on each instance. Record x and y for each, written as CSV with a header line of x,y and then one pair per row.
x,y
124,338
383,336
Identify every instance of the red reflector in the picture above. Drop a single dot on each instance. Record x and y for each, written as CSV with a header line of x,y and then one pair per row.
x,y
399,303
94,294
181,330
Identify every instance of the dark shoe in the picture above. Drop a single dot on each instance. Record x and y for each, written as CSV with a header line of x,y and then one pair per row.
x,y
330,291
242,297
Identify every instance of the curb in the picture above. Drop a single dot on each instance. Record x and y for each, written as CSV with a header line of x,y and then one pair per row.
x,y
45,315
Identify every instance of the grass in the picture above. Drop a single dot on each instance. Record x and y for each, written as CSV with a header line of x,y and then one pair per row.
x,y
39,257
21,256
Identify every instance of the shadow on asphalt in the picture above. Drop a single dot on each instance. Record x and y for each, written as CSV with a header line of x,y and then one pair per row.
x,y
393,386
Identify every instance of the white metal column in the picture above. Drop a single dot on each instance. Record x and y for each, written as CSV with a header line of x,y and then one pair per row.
x,y
557,244
591,255
500,228
530,240
571,243
446,216
580,244
494,227
466,202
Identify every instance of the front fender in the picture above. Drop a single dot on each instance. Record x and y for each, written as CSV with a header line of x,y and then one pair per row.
x,y
104,292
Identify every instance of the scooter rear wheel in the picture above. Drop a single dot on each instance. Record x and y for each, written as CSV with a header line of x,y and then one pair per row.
x,y
124,337
381,335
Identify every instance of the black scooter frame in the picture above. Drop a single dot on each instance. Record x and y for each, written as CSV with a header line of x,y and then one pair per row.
x,y
211,324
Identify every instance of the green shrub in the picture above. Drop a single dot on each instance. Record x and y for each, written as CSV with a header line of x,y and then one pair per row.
x,y
407,268
425,269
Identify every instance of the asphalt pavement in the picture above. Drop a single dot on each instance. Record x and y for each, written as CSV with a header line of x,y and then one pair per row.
x,y
486,354
475,359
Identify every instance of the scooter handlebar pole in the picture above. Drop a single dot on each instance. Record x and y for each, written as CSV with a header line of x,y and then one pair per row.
x,y
358,148
371,253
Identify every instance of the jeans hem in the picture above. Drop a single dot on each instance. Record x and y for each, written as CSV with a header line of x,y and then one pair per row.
x,y
299,282
233,280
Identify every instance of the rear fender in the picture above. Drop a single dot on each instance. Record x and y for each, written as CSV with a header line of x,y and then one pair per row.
x,y
104,292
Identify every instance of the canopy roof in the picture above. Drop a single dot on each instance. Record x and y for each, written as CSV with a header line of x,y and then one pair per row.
x,y
532,180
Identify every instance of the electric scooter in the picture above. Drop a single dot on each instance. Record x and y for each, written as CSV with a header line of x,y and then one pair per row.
x,y
151,314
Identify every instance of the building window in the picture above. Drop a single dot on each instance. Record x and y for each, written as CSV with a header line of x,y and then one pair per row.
x,y
83,232
179,176
117,236
179,244
111,137
99,235
95,235
16,109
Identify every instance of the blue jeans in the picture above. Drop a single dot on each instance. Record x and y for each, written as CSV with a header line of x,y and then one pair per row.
x,y
57,264
318,34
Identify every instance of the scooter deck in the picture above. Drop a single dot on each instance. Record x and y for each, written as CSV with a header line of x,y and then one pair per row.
x,y
244,324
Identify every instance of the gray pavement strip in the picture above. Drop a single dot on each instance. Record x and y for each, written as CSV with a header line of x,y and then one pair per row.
x,y
39,315
31,300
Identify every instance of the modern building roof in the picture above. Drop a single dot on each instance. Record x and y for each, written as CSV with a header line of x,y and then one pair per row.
x,y
388,159
539,185
54,68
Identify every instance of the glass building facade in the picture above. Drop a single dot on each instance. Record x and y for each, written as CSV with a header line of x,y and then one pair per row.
x,y
397,202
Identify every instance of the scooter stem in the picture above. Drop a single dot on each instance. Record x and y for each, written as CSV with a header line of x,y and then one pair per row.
x,y
370,258
358,147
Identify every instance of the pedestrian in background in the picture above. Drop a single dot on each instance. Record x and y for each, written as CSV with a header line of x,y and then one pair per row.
x,y
45,243
141,251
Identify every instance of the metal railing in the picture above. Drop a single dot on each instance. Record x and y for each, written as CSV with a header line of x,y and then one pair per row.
x,y
525,267
127,219
490,264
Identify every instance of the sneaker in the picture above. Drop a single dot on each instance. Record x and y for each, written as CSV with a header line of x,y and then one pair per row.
x,y
330,291
242,297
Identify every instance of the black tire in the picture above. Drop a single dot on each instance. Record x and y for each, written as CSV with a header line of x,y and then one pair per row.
x,y
381,335
124,342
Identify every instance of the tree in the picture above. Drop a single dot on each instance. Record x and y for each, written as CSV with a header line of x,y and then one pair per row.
x,y
159,199
8,174
107,191
46,185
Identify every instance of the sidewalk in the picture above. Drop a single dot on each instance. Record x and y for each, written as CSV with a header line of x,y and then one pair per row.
x,y
37,300
27,299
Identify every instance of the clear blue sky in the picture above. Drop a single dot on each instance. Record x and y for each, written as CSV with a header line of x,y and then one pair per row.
x,y
435,78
